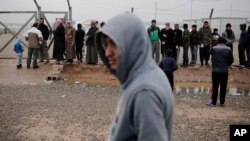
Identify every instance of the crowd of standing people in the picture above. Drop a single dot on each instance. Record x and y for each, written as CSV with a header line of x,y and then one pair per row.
x,y
68,44
201,40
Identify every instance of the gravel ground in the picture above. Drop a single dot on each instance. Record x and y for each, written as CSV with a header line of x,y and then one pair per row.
x,y
81,112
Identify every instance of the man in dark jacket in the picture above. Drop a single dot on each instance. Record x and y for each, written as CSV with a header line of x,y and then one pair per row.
x,y
44,48
248,47
229,35
166,36
242,48
194,43
145,111
79,39
186,44
206,41
177,41
222,58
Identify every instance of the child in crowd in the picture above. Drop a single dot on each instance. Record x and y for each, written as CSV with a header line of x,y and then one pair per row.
x,y
169,65
18,48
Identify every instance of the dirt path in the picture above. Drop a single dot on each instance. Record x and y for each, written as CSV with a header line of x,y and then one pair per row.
x,y
33,110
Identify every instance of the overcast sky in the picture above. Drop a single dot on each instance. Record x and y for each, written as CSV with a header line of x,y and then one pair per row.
x,y
102,10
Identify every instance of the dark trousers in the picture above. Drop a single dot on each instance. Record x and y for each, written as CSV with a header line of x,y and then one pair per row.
x,y
219,79
204,54
32,52
231,47
185,55
174,53
242,54
248,56
79,51
170,77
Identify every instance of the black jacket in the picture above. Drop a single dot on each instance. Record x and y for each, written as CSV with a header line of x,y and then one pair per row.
x,y
169,39
45,31
80,34
177,38
222,58
194,38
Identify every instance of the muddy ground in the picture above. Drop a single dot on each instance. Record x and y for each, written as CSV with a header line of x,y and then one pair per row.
x,y
81,106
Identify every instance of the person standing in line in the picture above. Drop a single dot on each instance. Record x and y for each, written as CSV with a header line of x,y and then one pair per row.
x,y
44,54
206,41
34,37
222,59
186,44
167,33
59,41
145,111
79,39
194,44
177,41
92,55
169,65
229,36
18,48
154,35
166,36
215,37
248,47
70,34
242,47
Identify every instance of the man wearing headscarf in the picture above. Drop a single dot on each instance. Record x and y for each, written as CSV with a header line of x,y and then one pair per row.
x,y
92,56
70,34
145,111
166,36
59,41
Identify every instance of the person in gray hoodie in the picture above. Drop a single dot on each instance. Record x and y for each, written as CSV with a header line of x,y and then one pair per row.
x,y
145,110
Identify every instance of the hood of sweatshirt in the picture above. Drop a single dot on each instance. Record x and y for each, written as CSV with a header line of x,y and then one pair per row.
x,y
135,51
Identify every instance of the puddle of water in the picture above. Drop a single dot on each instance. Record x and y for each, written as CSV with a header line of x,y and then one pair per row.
x,y
202,90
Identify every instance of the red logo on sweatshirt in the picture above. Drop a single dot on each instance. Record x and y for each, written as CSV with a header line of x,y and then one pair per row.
x,y
116,119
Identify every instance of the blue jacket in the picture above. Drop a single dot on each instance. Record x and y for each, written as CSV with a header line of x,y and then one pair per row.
x,y
18,48
168,64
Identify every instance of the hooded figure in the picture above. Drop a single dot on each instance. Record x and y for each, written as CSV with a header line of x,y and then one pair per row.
x,y
145,110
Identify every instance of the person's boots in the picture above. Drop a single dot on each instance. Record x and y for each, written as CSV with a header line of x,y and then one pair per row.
x,y
207,64
18,67
201,64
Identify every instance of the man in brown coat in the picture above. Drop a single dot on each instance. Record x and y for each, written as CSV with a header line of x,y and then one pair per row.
x,y
70,34
34,37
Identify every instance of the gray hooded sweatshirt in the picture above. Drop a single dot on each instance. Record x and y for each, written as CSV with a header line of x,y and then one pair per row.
x,y
145,110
